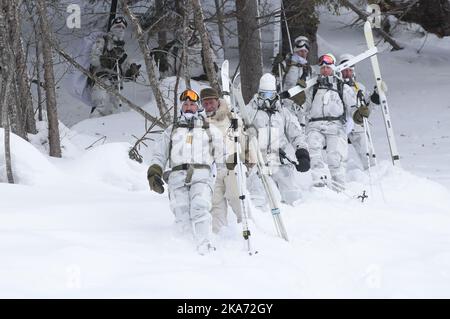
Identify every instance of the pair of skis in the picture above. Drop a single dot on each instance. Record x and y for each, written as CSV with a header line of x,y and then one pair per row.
x,y
239,170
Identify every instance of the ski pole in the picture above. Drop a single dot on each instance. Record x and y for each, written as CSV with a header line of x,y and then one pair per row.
x,y
287,27
362,102
369,136
238,169
118,79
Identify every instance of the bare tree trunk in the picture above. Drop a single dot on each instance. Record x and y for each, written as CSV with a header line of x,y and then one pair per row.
x,y
220,21
6,80
206,45
149,64
250,51
162,34
17,119
184,54
50,93
8,162
38,77
25,99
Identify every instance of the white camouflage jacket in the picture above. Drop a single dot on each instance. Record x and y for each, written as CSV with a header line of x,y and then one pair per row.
x,y
274,130
189,142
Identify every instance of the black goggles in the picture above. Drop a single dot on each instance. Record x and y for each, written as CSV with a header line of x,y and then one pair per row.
x,y
119,20
302,44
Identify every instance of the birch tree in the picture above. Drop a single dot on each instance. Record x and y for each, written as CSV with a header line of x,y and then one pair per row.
x,y
49,78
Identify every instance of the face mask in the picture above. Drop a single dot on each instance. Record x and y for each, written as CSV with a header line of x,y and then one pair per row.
x,y
298,59
118,34
189,115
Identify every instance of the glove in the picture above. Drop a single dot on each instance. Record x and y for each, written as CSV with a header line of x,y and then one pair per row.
x,y
304,162
231,162
278,59
154,174
133,71
362,111
301,82
375,98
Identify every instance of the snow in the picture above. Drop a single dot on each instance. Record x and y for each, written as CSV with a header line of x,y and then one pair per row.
x,y
87,226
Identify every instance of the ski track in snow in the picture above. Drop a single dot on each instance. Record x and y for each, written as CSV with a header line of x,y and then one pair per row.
x,y
87,225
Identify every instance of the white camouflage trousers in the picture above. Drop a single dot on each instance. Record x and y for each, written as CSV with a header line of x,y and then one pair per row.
x,y
191,203
226,192
331,135
104,103
359,143
283,181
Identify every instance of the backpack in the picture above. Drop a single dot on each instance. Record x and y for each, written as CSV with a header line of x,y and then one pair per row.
x,y
80,85
345,118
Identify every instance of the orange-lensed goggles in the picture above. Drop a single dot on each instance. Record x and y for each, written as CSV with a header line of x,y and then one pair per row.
x,y
189,95
326,59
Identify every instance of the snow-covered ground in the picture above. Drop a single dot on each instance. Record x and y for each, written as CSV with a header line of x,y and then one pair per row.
x,y
87,225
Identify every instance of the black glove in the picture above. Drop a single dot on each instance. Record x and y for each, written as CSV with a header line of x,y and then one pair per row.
x,y
155,181
375,98
304,162
133,71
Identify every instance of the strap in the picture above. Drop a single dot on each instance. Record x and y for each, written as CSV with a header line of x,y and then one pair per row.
x,y
190,170
191,126
184,167
340,91
328,118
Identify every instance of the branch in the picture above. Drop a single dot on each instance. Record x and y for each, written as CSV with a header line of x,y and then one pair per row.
x,y
149,62
104,86
363,16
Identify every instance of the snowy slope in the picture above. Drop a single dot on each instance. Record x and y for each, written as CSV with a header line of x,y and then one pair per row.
x,y
87,225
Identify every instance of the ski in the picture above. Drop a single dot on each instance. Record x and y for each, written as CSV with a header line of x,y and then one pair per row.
x,y
264,172
309,83
381,92
239,169
224,72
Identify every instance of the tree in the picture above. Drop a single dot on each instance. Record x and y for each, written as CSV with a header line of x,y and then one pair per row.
x,y
50,91
20,108
206,44
149,63
302,19
251,67
432,15
6,81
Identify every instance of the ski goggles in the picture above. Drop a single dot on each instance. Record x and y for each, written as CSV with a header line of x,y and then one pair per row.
x,y
189,95
267,95
302,44
326,60
119,20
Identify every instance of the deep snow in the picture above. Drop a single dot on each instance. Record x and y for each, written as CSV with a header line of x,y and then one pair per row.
x,y
86,225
